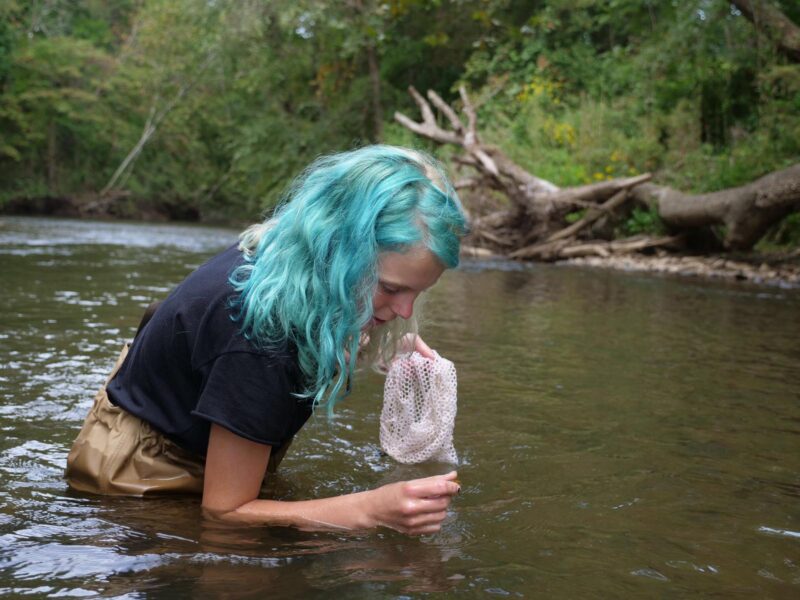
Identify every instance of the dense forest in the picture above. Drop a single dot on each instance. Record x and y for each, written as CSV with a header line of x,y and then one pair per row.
x,y
204,109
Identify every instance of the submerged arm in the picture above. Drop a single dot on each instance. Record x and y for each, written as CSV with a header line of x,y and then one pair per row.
x,y
235,468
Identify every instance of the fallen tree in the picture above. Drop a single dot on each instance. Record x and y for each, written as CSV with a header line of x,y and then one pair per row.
x,y
768,17
535,224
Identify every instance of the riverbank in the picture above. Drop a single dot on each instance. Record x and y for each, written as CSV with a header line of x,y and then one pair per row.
x,y
781,269
117,205
774,269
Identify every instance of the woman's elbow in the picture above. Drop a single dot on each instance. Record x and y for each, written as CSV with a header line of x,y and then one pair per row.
x,y
216,513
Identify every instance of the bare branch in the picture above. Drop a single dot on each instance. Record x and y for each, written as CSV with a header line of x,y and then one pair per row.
x,y
451,115
620,247
427,114
487,162
591,216
471,137
597,192
495,239
493,220
561,249
529,185
428,128
432,133
467,183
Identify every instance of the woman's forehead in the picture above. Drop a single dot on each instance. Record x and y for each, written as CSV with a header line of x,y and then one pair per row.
x,y
416,269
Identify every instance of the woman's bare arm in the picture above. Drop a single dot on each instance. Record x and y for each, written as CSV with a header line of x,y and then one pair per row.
x,y
235,468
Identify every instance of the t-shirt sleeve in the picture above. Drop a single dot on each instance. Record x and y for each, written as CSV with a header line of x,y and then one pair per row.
x,y
250,395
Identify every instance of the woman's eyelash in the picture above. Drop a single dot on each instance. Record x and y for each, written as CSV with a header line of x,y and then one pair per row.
x,y
388,288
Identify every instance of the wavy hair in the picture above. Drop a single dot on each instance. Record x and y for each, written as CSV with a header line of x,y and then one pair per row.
x,y
311,269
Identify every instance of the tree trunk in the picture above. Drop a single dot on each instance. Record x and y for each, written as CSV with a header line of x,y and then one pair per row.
x,y
375,84
746,212
154,119
764,14
133,154
52,153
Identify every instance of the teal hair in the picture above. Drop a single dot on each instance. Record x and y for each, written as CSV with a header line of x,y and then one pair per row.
x,y
311,269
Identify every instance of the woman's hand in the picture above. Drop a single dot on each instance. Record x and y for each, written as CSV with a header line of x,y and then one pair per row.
x,y
415,507
411,342
235,468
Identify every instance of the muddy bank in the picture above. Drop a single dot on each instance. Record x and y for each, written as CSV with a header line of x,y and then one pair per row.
x,y
782,270
121,205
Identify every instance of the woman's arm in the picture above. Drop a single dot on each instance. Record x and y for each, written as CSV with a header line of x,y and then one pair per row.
x,y
235,468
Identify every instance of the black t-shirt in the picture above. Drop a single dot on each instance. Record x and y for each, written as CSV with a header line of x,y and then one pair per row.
x,y
191,366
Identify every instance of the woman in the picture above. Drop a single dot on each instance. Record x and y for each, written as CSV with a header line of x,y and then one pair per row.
x,y
232,363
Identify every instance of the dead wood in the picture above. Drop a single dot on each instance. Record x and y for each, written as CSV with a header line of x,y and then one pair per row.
x,y
490,162
565,248
495,220
746,212
590,195
534,226
633,244
506,241
591,216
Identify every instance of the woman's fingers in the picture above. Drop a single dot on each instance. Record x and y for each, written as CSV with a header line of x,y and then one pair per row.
x,y
433,496
423,348
414,343
429,505
427,530
427,519
434,487
415,507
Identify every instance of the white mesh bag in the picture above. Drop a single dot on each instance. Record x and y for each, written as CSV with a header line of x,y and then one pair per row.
x,y
419,409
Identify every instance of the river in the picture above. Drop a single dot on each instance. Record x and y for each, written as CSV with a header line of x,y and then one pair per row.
x,y
619,435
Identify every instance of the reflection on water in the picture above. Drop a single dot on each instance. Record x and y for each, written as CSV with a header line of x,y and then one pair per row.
x,y
620,435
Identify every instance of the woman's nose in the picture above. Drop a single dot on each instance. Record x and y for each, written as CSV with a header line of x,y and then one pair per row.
x,y
404,306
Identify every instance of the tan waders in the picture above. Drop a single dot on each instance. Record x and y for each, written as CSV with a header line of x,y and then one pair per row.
x,y
118,453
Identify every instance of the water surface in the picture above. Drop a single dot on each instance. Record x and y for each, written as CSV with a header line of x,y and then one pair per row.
x,y
620,435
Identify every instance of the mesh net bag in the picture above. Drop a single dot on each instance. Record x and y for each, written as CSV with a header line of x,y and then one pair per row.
x,y
419,409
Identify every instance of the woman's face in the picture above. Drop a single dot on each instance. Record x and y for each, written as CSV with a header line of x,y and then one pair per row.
x,y
401,278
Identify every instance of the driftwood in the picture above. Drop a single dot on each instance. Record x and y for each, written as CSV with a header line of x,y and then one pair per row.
x,y
535,225
566,248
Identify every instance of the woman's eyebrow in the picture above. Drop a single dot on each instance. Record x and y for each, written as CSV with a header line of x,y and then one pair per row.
x,y
390,283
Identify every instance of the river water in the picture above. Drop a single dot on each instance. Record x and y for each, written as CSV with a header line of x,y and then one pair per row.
x,y
619,435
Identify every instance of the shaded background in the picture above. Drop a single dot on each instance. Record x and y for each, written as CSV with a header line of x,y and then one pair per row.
x,y
192,109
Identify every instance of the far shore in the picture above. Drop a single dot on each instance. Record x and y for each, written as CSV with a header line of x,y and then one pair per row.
x,y
778,269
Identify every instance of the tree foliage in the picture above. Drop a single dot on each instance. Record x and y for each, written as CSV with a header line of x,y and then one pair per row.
x,y
241,94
